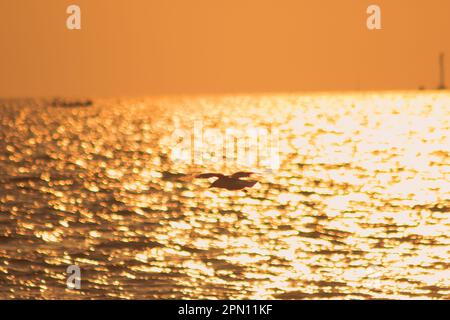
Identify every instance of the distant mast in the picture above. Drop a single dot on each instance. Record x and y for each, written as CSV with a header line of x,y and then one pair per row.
x,y
441,72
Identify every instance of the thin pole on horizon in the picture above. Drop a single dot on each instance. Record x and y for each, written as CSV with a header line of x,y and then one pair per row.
x,y
442,72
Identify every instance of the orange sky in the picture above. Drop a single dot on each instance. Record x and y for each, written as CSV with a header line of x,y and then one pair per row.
x,y
144,47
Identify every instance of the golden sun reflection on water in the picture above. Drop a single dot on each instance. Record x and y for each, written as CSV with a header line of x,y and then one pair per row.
x,y
359,207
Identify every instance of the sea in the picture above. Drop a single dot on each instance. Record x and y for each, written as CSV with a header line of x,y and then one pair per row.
x,y
352,199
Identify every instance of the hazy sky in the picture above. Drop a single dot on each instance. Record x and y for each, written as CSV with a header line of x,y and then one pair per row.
x,y
144,47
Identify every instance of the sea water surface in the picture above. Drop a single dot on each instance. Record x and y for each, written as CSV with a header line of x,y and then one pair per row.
x,y
358,208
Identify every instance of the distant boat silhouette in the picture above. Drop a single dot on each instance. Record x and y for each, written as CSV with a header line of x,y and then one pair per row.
x,y
231,182
57,102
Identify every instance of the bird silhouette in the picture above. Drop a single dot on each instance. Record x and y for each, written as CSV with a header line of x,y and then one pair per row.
x,y
230,182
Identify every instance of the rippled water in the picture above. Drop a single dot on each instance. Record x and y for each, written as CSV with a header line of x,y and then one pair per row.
x,y
359,207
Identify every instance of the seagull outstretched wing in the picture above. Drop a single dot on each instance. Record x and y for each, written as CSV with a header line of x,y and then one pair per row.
x,y
209,175
241,174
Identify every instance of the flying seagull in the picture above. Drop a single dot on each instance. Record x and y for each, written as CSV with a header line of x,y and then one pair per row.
x,y
231,182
